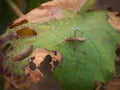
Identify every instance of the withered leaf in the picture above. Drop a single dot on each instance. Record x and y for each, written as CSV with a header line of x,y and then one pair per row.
x,y
113,84
40,15
33,76
36,75
52,10
40,55
26,31
114,20
71,5
18,83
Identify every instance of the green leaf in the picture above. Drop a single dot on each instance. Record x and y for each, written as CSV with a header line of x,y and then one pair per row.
x,y
87,6
91,61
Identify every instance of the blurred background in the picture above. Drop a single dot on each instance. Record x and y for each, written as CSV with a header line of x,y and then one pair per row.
x,y
7,14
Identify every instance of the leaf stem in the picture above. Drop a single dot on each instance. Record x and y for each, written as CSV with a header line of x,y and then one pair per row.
x,y
15,8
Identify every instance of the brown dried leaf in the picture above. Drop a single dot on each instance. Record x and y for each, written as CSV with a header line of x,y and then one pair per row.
x,y
18,83
41,14
71,5
52,10
32,75
114,20
40,55
113,84
36,75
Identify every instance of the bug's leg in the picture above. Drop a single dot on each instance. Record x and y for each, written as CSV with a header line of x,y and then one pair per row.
x,y
75,39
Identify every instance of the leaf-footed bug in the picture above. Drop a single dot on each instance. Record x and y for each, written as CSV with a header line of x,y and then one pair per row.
x,y
74,39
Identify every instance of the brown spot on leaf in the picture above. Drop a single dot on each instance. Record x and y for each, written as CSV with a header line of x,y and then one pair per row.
x,y
26,32
18,24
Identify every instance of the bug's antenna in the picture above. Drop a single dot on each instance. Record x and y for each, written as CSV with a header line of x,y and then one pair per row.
x,y
59,36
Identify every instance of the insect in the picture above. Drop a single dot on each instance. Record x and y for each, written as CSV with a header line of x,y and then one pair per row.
x,y
74,39
23,54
